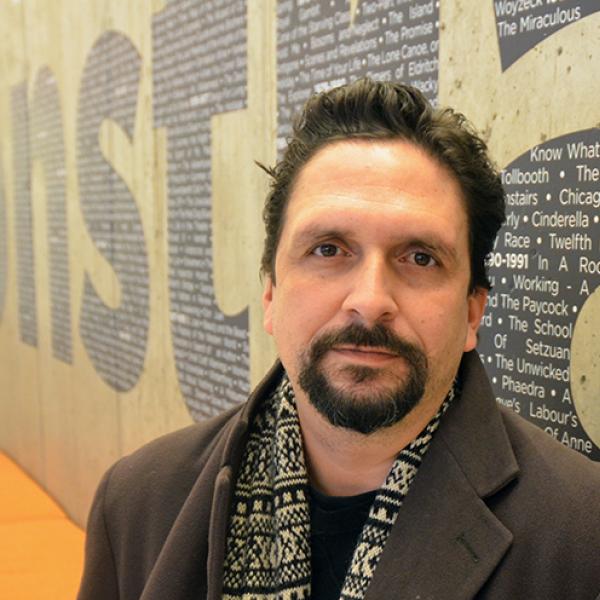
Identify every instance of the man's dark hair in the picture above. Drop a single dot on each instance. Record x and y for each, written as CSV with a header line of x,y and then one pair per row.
x,y
378,110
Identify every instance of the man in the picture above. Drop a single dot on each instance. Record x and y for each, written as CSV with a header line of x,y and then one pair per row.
x,y
373,462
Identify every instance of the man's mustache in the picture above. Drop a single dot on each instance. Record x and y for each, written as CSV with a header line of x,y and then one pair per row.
x,y
379,336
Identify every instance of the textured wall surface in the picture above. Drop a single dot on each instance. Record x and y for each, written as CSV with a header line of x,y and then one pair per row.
x,y
130,203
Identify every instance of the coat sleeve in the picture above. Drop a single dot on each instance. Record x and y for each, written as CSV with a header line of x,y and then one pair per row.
x,y
100,580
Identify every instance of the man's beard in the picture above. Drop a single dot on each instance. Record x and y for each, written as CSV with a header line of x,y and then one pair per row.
x,y
365,413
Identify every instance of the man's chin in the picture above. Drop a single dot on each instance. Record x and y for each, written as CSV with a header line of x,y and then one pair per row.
x,y
366,405
361,379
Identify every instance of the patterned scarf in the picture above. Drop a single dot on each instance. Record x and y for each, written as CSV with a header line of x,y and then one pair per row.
x,y
267,554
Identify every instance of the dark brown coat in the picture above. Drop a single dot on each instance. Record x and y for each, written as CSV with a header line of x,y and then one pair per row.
x,y
498,511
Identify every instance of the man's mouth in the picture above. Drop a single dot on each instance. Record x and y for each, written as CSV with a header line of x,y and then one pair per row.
x,y
367,354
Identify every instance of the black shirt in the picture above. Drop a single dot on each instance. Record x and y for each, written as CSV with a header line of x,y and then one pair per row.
x,y
336,523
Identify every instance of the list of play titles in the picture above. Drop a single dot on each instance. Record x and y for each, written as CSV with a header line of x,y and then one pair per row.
x,y
544,267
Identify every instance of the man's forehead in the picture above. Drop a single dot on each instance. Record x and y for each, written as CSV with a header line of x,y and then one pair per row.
x,y
381,175
383,163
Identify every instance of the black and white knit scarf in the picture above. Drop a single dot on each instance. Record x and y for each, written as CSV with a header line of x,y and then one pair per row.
x,y
267,554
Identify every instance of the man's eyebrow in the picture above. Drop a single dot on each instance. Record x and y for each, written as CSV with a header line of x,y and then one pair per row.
x,y
438,247
312,233
316,232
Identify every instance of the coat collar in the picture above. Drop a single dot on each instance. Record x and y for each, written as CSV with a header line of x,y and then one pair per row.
x,y
445,544
475,434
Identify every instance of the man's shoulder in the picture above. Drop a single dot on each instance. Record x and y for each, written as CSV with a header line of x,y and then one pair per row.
x,y
541,455
168,466
142,497
159,476
550,508
557,490
491,438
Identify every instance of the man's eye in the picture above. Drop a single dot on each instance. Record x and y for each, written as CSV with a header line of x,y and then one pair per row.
x,y
422,259
327,250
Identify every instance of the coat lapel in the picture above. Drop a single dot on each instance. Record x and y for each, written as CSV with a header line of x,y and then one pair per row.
x,y
180,572
446,541
190,564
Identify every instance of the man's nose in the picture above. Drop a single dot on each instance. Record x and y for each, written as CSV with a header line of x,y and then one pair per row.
x,y
371,292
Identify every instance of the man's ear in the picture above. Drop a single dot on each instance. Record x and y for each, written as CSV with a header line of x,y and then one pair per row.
x,y
476,307
267,302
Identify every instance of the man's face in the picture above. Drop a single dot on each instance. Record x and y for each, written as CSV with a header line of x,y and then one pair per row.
x,y
371,311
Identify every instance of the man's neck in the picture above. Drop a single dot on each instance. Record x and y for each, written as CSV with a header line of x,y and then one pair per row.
x,y
341,462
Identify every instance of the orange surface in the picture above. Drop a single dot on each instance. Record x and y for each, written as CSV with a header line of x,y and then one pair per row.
x,y
41,550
